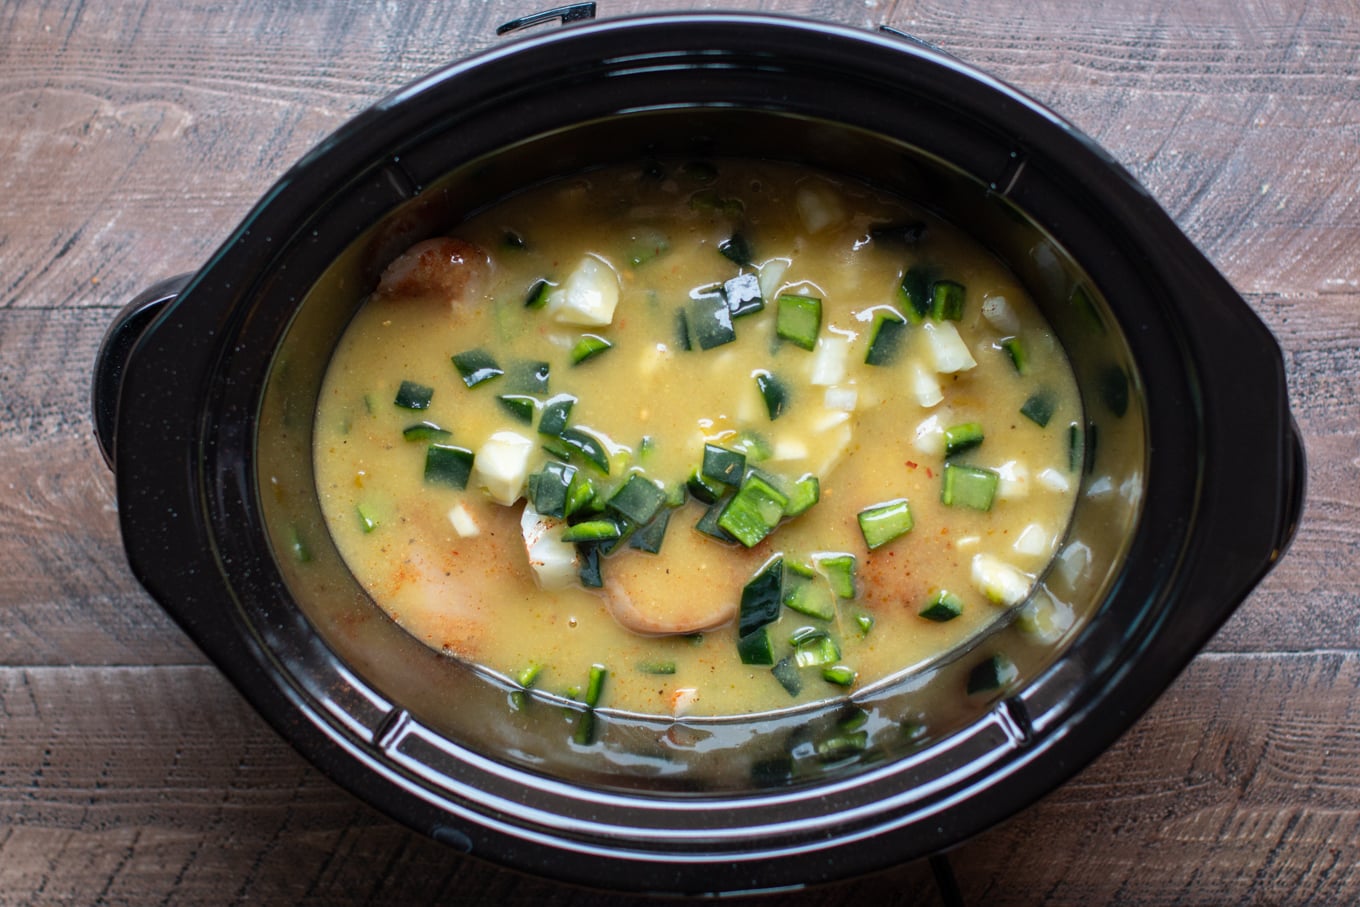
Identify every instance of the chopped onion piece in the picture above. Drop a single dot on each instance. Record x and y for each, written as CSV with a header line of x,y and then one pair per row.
x,y
842,398
929,437
924,385
828,361
948,352
588,296
771,275
1033,540
1054,480
1000,315
463,522
1001,583
555,563
818,208
1013,482
501,466
1045,618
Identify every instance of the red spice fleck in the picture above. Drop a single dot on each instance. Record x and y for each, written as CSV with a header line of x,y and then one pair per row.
x,y
911,464
930,474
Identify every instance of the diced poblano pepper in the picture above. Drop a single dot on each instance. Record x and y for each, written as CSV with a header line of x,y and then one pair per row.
x,y
588,347
884,522
994,673
638,499
885,337
413,396
798,319
723,465
425,431
521,406
773,392
946,300
942,606
754,511
810,597
839,570
743,295
961,437
969,486
477,367
914,293
755,647
761,598
448,465
802,494
1039,408
556,412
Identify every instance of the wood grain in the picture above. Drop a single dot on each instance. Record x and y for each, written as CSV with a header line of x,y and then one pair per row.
x,y
135,135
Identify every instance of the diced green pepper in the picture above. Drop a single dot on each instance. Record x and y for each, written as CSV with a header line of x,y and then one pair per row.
x,y
588,347
942,606
885,337
761,598
961,437
755,647
884,522
969,486
448,465
743,295
773,392
754,511
413,396
946,300
638,499
477,367
798,319
1039,408
723,465
521,406
425,431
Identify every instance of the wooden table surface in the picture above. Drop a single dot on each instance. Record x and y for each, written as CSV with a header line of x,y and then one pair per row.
x,y
133,137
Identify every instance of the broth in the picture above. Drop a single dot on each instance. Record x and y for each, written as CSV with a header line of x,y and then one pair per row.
x,y
672,304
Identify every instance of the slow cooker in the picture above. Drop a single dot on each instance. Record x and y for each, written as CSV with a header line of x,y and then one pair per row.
x,y
1191,488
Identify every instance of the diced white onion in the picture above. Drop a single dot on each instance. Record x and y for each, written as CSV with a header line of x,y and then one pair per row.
x,y
1000,315
1100,487
463,522
1013,480
1054,480
588,296
786,449
1045,617
833,443
829,360
842,398
924,385
929,437
829,419
1072,562
502,465
554,562
771,276
998,581
818,208
1033,541
948,353
683,699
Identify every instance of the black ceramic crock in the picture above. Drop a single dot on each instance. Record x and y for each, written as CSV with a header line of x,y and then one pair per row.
x,y
1192,447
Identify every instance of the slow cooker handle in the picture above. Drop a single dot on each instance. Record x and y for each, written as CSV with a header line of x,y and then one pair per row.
x,y
110,363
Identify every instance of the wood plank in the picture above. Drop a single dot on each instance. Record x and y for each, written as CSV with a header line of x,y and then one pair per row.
x,y
1243,782
143,145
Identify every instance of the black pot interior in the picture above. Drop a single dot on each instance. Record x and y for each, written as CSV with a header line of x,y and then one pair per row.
x,y
428,712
